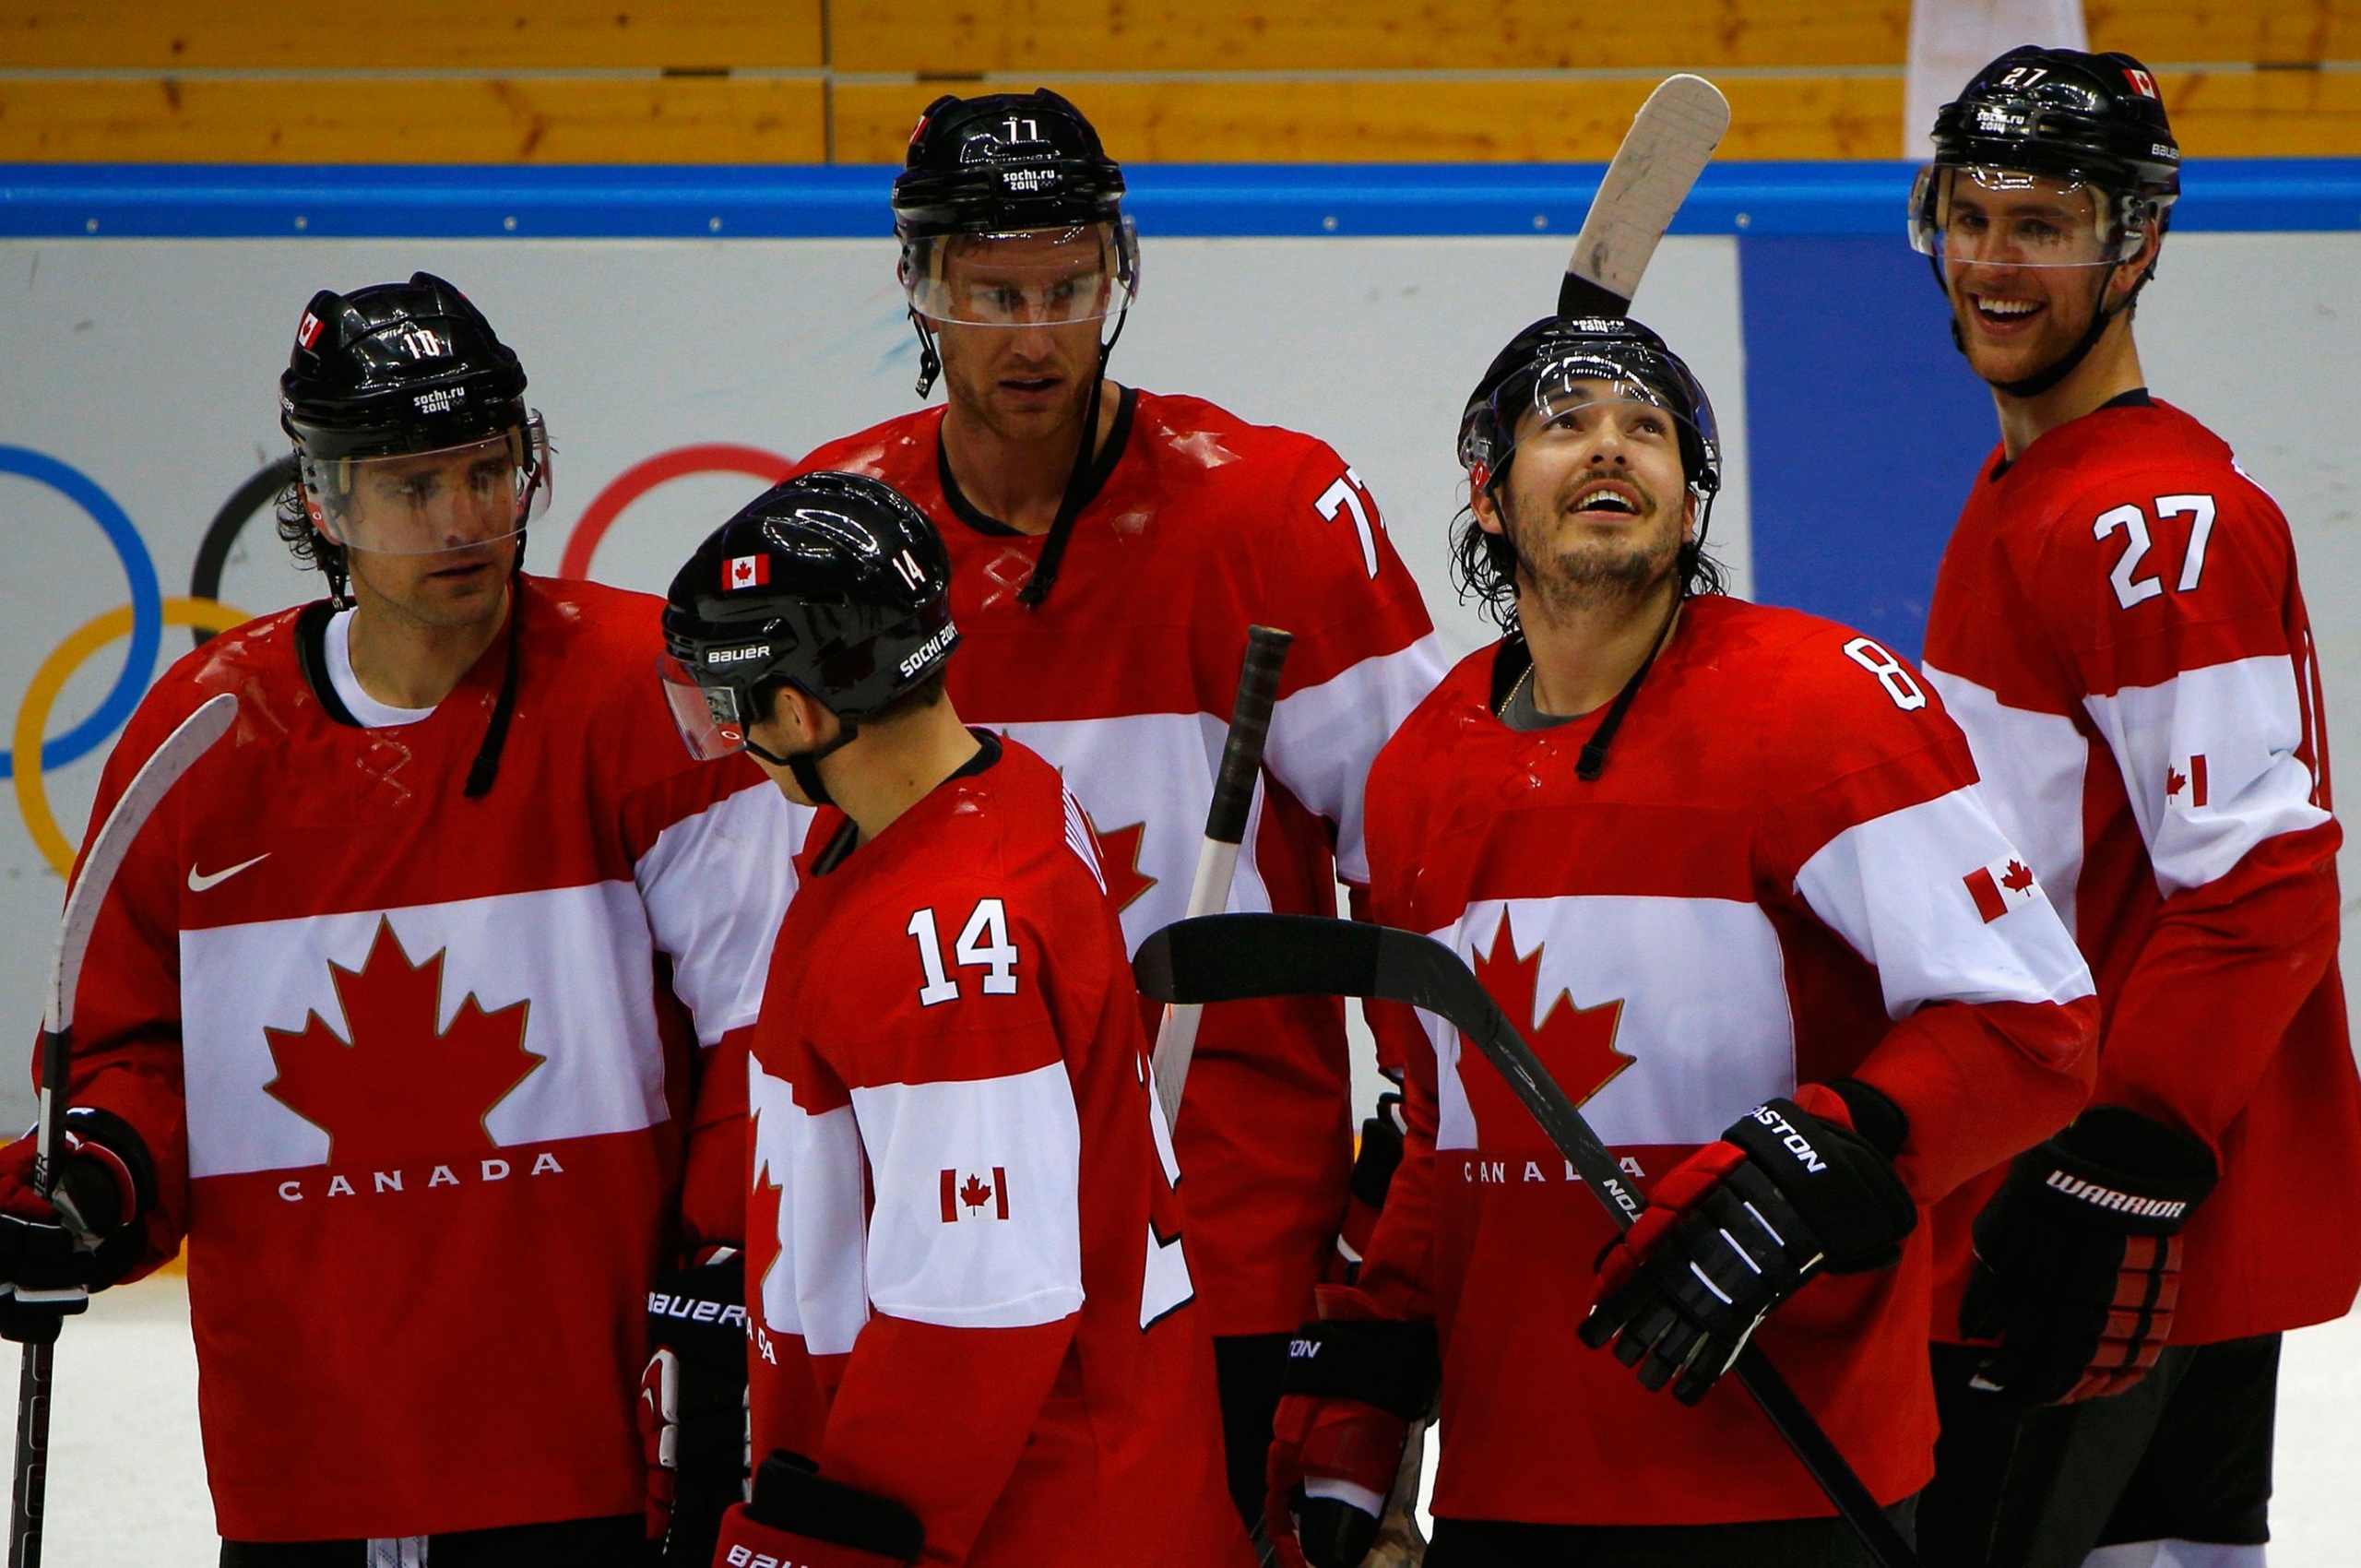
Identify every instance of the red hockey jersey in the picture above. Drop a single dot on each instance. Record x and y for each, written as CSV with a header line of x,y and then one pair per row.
x,y
1124,679
964,1242
1784,875
418,1071
2118,628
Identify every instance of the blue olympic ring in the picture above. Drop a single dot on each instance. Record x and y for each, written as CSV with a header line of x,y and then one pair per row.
x,y
146,605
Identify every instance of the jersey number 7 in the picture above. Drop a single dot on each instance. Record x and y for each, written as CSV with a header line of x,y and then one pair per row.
x,y
983,945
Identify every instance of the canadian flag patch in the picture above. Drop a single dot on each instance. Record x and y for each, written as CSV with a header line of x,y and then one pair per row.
x,y
2001,886
306,330
745,571
2142,82
2185,781
968,1195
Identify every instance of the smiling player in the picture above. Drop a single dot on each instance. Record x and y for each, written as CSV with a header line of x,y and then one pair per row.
x,y
1727,866
2118,627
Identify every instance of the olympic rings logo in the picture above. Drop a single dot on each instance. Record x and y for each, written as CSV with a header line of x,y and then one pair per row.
x,y
32,753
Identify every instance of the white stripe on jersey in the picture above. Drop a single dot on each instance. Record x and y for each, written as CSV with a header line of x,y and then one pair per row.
x,y
579,956
1324,738
944,1161
717,885
2033,766
1705,1015
1894,888
2246,718
814,1288
1078,838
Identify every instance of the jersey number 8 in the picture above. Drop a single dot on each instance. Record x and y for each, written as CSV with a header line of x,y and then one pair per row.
x,y
983,945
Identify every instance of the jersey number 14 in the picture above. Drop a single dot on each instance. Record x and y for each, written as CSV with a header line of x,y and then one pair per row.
x,y
983,945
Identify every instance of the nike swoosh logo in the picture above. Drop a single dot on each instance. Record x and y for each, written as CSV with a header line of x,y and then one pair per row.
x,y
199,881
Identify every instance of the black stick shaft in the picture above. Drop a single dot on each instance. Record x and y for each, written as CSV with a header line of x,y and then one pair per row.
x,y
29,1497
1250,725
1577,295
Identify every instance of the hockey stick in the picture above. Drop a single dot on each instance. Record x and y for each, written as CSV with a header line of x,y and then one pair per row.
x,y
1242,761
1231,958
156,776
1670,140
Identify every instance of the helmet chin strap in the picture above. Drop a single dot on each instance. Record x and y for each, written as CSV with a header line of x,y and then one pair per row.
x,y
805,765
929,357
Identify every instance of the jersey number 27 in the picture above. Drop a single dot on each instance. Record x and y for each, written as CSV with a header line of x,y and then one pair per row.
x,y
983,945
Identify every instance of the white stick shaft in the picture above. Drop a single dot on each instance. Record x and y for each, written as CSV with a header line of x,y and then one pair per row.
x,y
1176,1040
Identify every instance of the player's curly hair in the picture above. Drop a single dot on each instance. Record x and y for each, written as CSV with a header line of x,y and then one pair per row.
x,y
306,542
1483,566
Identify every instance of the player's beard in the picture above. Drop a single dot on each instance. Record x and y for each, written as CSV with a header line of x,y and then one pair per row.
x,y
1589,575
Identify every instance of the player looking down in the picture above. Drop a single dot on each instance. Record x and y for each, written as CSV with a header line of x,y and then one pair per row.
x,y
2118,627
974,1336
1727,868
405,1012
1110,549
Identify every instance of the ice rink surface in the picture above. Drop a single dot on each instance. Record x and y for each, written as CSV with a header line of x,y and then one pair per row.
x,y
127,1480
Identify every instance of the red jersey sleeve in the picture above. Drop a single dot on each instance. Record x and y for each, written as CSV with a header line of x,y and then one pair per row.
x,y
1365,653
1879,830
2173,590
968,1125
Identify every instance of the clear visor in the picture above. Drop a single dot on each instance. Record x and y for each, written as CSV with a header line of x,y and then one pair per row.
x,y
433,503
1984,217
1040,278
1576,401
709,718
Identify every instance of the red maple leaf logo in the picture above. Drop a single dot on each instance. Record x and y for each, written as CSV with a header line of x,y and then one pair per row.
x,y
398,1089
1119,861
2018,877
2174,781
762,1250
1577,1044
976,1194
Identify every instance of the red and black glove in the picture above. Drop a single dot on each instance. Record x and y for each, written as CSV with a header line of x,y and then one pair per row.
x,y
1792,1190
2078,1258
800,1520
693,1406
1355,1380
105,1176
1373,1167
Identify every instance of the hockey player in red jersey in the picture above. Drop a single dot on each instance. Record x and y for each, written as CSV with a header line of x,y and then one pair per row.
x,y
419,1011
975,1335
2117,628
1727,866
1105,590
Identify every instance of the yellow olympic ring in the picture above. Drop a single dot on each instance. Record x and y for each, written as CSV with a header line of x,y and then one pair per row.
x,y
32,793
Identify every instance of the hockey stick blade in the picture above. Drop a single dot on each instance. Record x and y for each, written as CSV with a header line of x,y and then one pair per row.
x,y
1671,139
1237,958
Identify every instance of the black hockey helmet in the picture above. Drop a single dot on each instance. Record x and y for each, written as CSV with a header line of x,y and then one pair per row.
x,y
401,371
2092,120
1004,163
1560,363
833,583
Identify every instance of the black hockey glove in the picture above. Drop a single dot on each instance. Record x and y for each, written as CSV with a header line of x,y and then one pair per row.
x,y
2078,1258
1740,1225
1353,1385
692,1406
106,1177
800,1520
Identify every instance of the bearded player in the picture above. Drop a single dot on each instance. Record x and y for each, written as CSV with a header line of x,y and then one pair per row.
x,y
2118,628
975,1338
1727,868
1109,548
419,1012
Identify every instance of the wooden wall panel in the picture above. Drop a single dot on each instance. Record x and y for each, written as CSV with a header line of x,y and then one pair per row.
x,y
1164,35
2190,32
2264,113
669,120
1399,122
470,34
